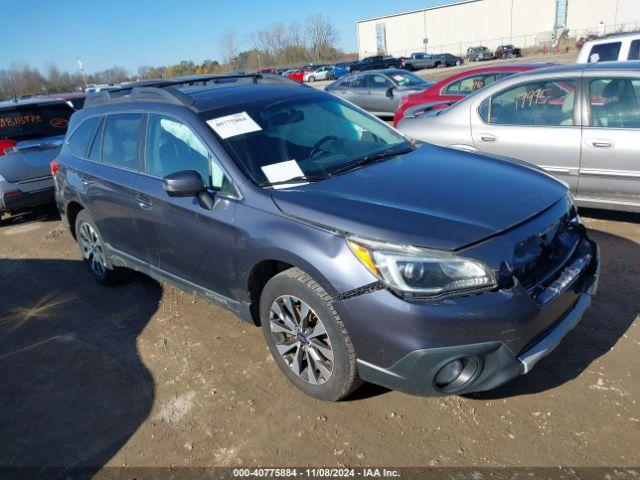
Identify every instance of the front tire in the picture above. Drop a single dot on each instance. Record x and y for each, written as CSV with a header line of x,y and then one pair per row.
x,y
94,253
307,337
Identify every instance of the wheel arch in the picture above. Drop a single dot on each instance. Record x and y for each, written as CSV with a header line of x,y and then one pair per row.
x,y
72,210
265,269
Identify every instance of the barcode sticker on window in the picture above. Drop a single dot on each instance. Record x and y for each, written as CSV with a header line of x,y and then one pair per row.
x,y
232,125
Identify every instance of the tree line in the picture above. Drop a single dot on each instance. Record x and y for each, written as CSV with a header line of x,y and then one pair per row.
x,y
313,41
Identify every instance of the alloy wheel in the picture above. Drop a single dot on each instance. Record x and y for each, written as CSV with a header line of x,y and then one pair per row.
x,y
92,250
301,339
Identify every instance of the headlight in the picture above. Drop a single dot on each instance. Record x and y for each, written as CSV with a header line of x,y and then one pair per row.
x,y
422,272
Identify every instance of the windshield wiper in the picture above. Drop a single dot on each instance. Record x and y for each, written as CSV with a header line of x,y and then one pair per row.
x,y
372,158
298,179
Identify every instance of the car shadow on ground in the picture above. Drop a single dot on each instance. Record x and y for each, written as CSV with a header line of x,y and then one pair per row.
x,y
47,213
74,388
614,308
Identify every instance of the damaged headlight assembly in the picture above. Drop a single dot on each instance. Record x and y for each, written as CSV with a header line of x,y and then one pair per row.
x,y
422,273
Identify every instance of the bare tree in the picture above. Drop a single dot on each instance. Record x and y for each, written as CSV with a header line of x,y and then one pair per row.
x,y
228,45
114,74
21,79
322,38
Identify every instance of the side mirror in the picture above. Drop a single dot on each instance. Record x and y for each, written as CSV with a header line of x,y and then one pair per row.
x,y
390,92
185,183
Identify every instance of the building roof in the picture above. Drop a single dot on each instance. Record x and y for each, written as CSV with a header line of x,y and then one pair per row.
x,y
445,5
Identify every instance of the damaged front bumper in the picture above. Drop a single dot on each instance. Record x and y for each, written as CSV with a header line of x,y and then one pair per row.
x,y
501,315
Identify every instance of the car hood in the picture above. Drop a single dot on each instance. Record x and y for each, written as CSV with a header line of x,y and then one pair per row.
x,y
30,159
433,197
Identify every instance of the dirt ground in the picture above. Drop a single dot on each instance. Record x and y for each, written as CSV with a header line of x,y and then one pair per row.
x,y
144,375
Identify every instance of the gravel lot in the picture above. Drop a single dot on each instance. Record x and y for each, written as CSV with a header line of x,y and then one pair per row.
x,y
144,375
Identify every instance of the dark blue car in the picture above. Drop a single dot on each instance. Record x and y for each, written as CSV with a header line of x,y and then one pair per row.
x,y
363,254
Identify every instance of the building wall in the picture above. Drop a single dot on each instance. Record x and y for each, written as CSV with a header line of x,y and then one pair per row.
x,y
586,14
453,28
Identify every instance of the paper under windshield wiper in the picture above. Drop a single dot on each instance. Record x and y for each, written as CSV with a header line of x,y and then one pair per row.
x,y
298,179
374,157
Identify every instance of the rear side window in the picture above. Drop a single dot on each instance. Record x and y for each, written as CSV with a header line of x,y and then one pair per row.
x,y
82,136
96,147
634,50
605,52
120,142
472,83
378,82
614,103
543,103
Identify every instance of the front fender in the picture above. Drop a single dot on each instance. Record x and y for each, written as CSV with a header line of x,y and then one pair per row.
x,y
319,251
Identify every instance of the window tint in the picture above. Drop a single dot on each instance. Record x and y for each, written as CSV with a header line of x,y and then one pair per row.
x,y
120,145
605,52
545,103
378,82
83,136
634,50
94,153
614,103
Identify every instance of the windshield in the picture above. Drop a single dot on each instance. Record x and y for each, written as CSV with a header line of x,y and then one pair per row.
x,y
28,122
406,79
311,136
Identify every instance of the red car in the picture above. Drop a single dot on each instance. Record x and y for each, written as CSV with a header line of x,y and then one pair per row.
x,y
298,75
458,86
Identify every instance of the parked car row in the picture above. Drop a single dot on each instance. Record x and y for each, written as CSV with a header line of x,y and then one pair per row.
x,y
419,60
579,122
480,53
378,91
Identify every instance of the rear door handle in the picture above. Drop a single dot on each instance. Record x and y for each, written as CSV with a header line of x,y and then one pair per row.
x,y
599,143
487,137
144,202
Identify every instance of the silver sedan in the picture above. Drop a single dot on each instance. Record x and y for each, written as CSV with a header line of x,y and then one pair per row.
x,y
378,91
580,123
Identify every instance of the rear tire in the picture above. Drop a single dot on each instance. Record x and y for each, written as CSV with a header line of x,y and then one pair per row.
x,y
94,254
307,337
312,79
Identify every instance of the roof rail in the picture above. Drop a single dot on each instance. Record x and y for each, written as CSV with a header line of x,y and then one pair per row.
x,y
166,90
215,78
139,94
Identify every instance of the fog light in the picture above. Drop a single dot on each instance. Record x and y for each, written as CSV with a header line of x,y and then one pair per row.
x,y
458,374
449,373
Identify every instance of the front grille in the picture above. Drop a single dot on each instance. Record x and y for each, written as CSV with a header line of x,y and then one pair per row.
x,y
538,258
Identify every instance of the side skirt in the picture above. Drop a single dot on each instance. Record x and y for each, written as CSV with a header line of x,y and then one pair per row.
x,y
122,259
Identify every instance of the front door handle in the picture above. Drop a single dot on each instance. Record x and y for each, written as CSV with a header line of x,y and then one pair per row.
x,y
487,137
144,202
599,143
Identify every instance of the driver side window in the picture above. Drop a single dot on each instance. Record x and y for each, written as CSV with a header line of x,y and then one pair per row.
x,y
172,146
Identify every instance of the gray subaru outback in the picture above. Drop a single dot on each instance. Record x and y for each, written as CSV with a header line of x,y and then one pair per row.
x,y
362,254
